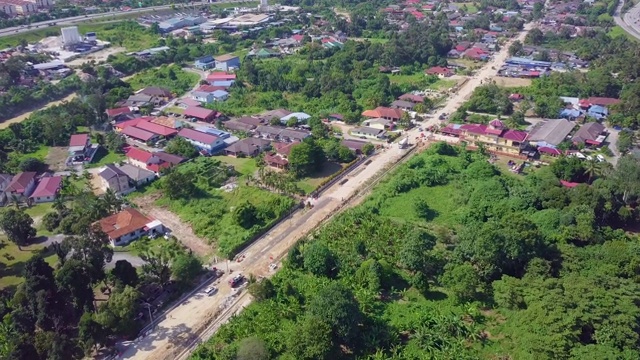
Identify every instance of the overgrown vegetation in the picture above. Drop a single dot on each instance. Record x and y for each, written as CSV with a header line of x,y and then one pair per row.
x,y
448,259
193,192
171,77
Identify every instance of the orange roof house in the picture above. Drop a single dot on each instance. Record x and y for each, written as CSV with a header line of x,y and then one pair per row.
x,y
384,112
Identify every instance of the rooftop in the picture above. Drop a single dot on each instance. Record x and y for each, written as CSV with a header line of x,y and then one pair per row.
x,y
197,136
48,186
123,223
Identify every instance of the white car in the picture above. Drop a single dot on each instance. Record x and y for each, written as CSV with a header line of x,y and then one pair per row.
x,y
211,290
273,266
600,158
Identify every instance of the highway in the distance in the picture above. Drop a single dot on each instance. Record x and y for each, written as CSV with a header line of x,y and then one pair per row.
x,y
630,21
77,19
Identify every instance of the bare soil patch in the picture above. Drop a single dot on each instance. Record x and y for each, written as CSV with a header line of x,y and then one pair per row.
x,y
182,231
512,82
56,158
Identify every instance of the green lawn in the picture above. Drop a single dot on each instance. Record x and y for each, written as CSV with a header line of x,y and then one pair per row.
x,y
104,157
310,184
439,198
12,261
471,8
617,31
38,210
245,166
407,79
443,84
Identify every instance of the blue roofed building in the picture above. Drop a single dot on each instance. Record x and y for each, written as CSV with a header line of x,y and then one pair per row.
x,y
205,63
570,114
223,83
598,112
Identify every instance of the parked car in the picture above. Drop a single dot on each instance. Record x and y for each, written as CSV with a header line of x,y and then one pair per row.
x,y
237,280
211,290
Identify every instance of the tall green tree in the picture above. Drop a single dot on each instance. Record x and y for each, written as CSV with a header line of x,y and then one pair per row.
x,y
17,225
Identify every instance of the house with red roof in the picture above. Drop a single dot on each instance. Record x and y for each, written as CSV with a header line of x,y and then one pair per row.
x,y
475,53
220,76
21,185
128,225
47,189
494,136
147,160
384,113
116,113
80,149
602,101
157,129
416,99
439,71
138,134
201,114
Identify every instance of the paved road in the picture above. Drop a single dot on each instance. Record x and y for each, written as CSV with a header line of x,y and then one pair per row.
x,y
77,19
136,261
630,21
199,313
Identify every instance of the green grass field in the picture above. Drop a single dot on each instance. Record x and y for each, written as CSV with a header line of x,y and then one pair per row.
x,y
245,166
104,157
439,198
12,261
311,183
617,31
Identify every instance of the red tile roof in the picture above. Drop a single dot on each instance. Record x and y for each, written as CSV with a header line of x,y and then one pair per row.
x,y
603,101
412,98
220,75
383,112
438,70
283,148
297,37
156,128
275,159
137,133
568,184
20,182
549,150
514,135
198,112
78,140
123,223
118,111
48,186
197,136
125,124
139,154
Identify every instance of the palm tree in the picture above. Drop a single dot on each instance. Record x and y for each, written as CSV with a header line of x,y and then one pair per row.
x,y
592,168
111,201
58,206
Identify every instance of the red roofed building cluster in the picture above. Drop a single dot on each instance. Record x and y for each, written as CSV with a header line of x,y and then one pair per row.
x,y
152,161
494,136
143,129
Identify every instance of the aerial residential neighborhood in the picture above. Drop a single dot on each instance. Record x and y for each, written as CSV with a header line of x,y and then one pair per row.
x,y
319,180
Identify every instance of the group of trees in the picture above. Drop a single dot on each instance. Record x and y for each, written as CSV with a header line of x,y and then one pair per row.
x,y
54,315
395,281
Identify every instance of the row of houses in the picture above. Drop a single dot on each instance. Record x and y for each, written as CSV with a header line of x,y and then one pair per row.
x,y
543,138
141,167
27,186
